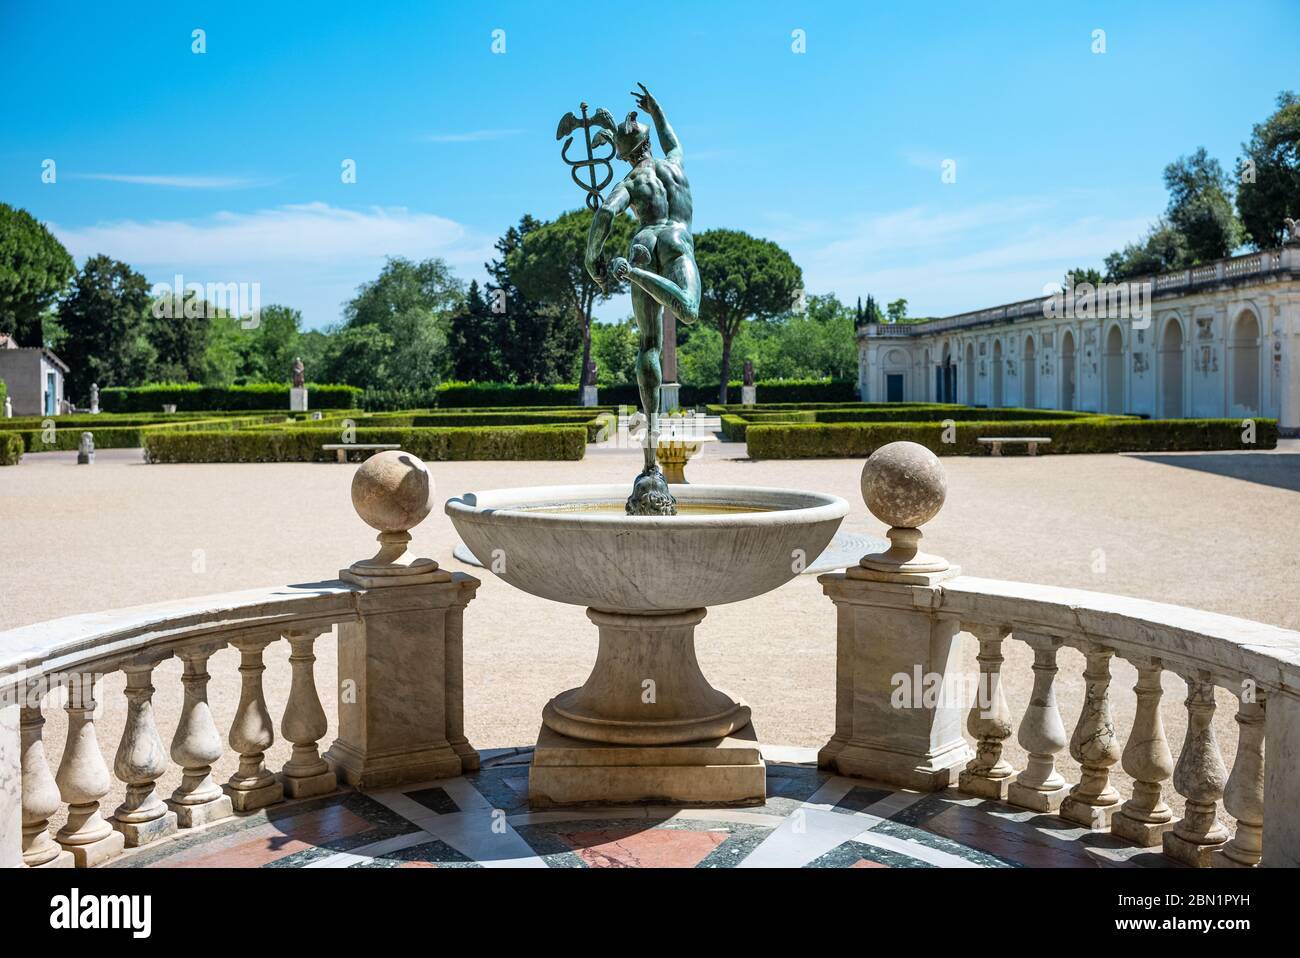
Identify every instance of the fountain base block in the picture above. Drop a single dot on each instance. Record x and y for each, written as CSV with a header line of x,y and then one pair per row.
x,y
717,772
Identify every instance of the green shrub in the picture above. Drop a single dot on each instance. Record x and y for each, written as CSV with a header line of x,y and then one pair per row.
x,y
193,396
717,409
68,435
456,394
11,448
1093,434
4,391
304,445
804,390
940,413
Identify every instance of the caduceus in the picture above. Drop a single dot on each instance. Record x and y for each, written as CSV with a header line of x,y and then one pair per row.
x,y
595,181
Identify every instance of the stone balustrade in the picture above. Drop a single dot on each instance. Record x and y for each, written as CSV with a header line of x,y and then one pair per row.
x,y
378,629
900,619
903,616
1227,270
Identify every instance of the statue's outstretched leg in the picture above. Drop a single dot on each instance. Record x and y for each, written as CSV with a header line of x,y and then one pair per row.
x,y
677,289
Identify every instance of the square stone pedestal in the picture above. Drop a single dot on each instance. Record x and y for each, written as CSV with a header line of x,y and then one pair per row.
x,y
993,788
566,771
1095,817
749,395
1146,834
1189,853
251,799
96,853
194,816
589,397
145,833
298,399
1036,799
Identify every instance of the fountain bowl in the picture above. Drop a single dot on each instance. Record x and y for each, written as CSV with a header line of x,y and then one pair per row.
x,y
574,544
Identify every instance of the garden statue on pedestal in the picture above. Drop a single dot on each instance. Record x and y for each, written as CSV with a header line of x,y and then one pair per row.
x,y
660,265
94,399
748,391
589,395
298,393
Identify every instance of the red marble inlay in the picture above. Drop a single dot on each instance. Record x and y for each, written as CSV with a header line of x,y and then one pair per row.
x,y
644,847
867,863
265,843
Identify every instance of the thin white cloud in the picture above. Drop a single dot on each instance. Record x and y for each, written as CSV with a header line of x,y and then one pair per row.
x,y
946,261
310,256
179,182
472,136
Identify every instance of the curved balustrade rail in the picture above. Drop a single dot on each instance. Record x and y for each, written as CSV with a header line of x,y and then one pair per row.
x,y
1228,269
76,652
1259,664
909,624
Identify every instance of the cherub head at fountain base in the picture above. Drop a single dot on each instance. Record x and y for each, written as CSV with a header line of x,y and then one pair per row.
x,y
650,495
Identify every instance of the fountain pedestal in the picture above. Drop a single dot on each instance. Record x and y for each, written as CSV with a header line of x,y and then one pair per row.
x,y
646,726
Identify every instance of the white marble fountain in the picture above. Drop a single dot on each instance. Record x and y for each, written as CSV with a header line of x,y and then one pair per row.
x,y
646,726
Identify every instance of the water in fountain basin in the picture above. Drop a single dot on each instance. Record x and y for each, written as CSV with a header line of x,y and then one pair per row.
x,y
616,508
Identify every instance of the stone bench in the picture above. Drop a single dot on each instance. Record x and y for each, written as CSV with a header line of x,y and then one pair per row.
x,y
341,448
997,442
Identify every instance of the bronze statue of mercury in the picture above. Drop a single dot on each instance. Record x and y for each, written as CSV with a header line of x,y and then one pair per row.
x,y
660,264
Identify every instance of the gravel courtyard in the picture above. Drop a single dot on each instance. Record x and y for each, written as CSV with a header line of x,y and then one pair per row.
x,y
1214,530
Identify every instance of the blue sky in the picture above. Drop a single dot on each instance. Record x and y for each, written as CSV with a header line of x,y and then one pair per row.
x,y
225,166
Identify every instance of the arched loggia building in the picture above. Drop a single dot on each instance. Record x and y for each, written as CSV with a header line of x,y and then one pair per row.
x,y
1218,340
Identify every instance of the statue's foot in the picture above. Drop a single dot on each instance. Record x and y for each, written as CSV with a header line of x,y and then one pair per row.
x,y
640,254
650,495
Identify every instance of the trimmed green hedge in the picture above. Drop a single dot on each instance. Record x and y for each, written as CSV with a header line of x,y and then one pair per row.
x,y
11,449
1094,434
459,394
4,391
957,414
304,445
68,436
193,396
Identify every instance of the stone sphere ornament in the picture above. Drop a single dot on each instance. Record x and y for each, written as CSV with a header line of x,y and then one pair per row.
x,y
392,492
904,485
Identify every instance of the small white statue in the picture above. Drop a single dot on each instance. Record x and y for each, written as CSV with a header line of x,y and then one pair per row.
x,y
9,408
86,451
94,399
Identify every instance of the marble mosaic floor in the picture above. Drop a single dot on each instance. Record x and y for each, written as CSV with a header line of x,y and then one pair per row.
x,y
811,819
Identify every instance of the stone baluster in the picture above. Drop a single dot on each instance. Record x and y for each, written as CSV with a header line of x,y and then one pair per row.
x,y
304,723
83,780
40,792
1042,734
988,774
1095,746
141,760
252,732
1199,777
1145,817
11,774
196,745
1243,798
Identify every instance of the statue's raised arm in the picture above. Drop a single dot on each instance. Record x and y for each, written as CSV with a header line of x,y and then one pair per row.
x,y
668,141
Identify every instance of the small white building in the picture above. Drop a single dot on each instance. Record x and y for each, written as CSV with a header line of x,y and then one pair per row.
x,y
1219,340
34,378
